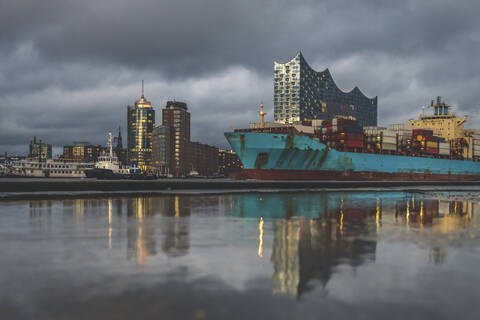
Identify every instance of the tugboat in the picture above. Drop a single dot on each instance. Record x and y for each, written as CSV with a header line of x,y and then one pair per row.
x,y
108,166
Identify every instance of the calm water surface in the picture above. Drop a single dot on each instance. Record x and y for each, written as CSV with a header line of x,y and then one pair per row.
x,y
243,256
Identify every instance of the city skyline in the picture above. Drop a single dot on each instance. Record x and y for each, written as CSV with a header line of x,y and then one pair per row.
x,y
61,66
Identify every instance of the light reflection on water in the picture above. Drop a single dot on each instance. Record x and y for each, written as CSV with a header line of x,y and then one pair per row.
x,y
350,249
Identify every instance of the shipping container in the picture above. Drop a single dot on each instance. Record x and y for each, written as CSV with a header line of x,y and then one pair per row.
x,y
444,148
444,152
353,129
317,123
304,129
354,143
389,140
432,144
422,132
389,146
431,150
400,127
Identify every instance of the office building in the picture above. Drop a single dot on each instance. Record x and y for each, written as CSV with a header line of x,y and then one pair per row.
x,y
228,162
140,122
301,93
175,115
161,150
81,151
203,158
39,149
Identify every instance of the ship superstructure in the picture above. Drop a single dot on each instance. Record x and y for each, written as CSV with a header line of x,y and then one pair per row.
x,y
443,121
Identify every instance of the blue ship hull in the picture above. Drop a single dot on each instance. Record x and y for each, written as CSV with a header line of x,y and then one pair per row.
x,y
297,157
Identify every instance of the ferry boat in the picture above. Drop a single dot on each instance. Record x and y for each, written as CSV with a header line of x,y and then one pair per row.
x,y
47,168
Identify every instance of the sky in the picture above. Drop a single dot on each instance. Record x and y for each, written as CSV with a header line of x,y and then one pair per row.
x,y
68,69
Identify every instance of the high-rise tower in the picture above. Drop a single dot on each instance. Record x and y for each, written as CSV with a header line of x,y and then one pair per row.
x,y
141,121
177,118
301,93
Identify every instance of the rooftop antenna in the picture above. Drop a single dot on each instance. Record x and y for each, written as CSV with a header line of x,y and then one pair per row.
x,y
142,90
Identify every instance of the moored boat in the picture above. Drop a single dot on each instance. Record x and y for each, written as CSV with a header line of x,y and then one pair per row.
x,y
109,167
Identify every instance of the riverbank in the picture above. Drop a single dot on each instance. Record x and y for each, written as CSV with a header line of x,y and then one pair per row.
x,y
20,189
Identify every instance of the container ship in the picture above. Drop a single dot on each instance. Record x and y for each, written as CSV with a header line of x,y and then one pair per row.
x,y
435,147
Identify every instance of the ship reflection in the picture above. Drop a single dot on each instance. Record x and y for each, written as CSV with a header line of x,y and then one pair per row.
x,y
306,250
313,235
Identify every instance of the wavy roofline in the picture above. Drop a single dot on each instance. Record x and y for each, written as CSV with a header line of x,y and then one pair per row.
x,y
327,71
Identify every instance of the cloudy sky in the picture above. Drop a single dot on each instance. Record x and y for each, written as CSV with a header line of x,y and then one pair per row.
x,y
68,69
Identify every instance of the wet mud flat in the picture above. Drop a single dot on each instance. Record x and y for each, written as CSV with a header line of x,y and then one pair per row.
x,y
22,188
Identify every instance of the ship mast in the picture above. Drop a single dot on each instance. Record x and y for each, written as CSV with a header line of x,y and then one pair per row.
x,y
110,144
262,116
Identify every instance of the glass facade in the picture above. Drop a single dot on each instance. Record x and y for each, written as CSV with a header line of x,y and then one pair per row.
x,y
301,93
141,121
161,150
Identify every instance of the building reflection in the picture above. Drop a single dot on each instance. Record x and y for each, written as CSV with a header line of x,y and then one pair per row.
x,y
176,226
173,212
153,224
140,233
40,208
306,250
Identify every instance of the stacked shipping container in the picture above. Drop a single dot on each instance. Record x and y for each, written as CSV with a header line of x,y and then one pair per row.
x,y
342,134
476,145
380,140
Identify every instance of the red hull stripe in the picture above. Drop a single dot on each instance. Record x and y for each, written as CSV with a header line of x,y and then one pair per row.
x,y
348,175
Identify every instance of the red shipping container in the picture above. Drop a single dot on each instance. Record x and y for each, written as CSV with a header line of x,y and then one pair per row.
x,y
354,143
346,122
422,132
431,150
355,136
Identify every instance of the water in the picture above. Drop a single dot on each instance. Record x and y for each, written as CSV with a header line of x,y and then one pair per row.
x,y
243,256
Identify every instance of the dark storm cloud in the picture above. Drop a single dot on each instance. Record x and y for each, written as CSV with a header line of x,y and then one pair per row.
x,y
69,68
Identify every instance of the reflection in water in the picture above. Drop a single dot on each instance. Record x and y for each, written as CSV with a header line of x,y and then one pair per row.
x,y
309,249
315,234
441,214
110,223
176,227
140,235
260,238
312,234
